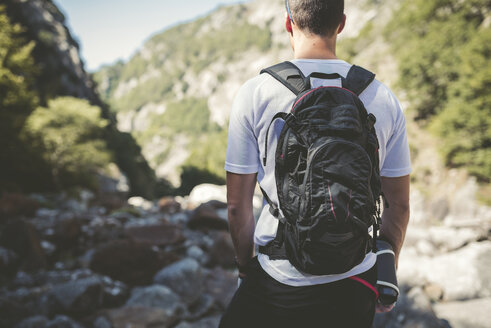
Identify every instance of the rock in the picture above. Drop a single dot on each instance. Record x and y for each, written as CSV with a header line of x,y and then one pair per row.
x,y
201,307
157,296
222,252
221,285
11,312
23,279
462,314
102,322
48,248
9,264
160,235
140,317
206,217
130,262
14,205
38,321
79,297
434,292
140,202
436,240
21,237
463,274
67,233
114,293
185,278
438,208
207,192
169,205
198,254
211,322
61,321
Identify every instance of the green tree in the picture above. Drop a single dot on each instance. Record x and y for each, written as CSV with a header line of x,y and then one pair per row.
x,y
465,122
428,37
17,100
70,133
444,53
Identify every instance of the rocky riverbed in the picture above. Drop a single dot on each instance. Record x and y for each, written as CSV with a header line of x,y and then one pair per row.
x,y
100,261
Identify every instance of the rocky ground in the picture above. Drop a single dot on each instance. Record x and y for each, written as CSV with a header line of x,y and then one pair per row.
x,y
98,261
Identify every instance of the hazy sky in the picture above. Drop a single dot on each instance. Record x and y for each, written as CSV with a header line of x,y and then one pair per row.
x,y
111,29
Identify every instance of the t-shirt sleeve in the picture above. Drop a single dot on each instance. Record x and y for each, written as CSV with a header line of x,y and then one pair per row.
x,y
397,161
242,149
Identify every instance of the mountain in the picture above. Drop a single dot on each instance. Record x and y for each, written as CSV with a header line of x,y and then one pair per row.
x,y
175,93
59,71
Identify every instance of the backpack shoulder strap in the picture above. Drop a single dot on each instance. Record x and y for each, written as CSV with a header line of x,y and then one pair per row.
x,y
289,75
358,79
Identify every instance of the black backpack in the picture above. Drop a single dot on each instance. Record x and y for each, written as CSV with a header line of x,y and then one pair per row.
x,y
327,174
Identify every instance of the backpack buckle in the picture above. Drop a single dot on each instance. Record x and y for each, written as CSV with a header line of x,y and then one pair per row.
x,y
290,119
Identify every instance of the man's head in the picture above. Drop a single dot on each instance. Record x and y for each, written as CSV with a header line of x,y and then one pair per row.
x,y
319,17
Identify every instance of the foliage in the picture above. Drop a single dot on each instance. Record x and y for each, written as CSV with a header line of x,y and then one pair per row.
x,y
443,49
17,100
465,122
209,153
70,133
192,176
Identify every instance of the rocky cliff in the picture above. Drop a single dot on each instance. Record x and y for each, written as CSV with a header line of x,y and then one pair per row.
x,y
62,73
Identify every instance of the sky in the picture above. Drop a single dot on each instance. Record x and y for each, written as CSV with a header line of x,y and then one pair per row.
x,y
108,30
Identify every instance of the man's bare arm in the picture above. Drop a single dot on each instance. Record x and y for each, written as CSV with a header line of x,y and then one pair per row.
x,y
395,218
240,193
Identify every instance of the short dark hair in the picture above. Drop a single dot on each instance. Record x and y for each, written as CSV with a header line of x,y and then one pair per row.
x,y
320,17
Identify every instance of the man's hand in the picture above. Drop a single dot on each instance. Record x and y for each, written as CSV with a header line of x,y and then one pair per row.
x,y
240,193
380,308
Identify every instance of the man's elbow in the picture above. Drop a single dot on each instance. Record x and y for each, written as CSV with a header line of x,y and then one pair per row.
x,y
401,209
233,210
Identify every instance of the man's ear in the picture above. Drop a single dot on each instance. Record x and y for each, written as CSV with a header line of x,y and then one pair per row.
x,y
288,23
342,25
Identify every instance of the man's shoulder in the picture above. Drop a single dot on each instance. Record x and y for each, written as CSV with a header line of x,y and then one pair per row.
x,y
261,86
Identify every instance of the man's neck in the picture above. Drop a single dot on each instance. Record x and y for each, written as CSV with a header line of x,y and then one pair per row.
x,y
314,47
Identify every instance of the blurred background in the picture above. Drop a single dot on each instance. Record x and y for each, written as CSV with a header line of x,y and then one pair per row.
x,y
113,129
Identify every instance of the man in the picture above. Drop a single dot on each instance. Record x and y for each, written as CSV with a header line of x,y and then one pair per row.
x,y
273,293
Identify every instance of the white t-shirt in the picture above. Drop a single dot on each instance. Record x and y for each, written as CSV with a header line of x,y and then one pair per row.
x,y
258,100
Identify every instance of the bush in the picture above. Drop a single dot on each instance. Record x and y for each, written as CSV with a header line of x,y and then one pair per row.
x,y
70,133
444,53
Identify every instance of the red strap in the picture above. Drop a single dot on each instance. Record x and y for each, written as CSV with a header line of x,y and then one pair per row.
x,y
367,284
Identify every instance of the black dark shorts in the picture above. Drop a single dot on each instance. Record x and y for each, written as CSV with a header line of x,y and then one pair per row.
x,y
261,301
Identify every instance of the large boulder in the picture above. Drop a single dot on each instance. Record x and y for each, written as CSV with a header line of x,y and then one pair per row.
x,y
157,296
169,205
206,192
462,314
15,205
131,262
462,274
208,216
185,278
139,317
78,297
22,237
11,312
220,284
160,235
62,321
9,264
211,322
222,251
38,321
